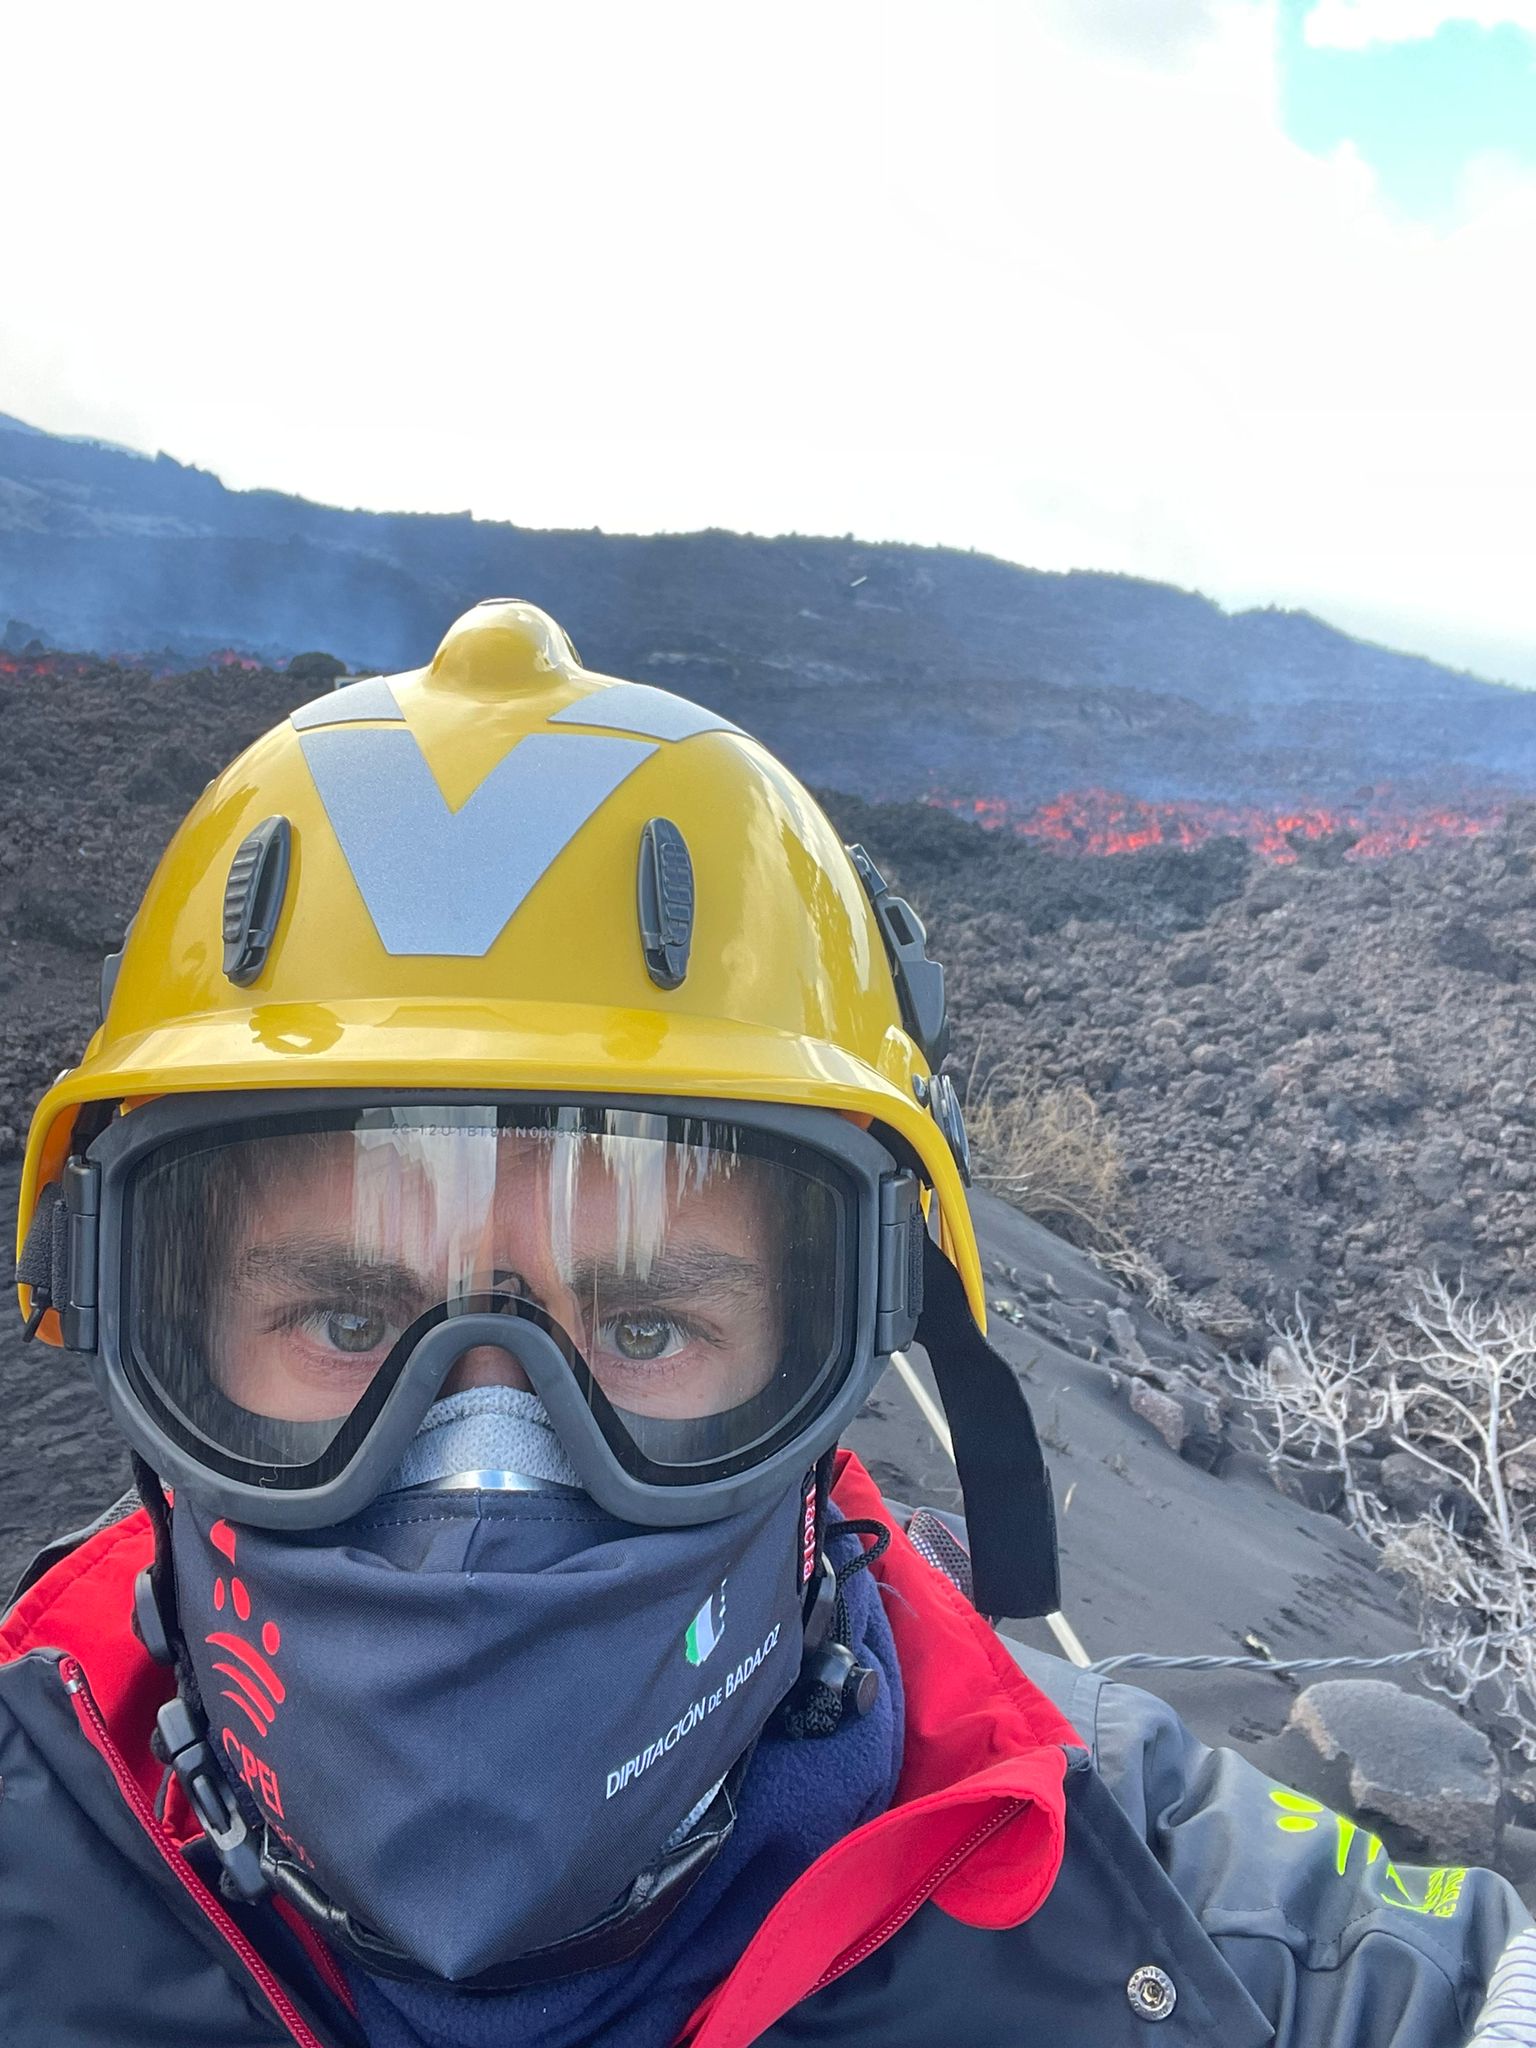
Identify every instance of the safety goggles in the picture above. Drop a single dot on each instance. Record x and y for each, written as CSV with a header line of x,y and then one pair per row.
x,y
700,1294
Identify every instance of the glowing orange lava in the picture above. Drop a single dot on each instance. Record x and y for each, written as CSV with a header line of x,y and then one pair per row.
x,y
56,666
1102,821
40,667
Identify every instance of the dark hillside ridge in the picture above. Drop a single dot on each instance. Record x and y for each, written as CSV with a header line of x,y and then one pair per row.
x,y
888,671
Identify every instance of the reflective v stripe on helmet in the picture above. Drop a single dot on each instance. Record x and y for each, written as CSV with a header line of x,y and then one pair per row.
x,y
441,881
636,707
371,698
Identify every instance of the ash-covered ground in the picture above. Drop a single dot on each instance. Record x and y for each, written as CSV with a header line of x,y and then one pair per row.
x,y
102,764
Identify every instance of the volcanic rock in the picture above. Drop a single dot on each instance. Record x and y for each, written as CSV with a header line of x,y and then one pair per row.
x,y
1436,1169
1212,1059
1305,1017
1161,1410
1122,1331
1187,1420
1189,970
1195,1265
1268,894
1205,1094
1517,1855
1471,948
1411,1761
1319,1487
1413,1488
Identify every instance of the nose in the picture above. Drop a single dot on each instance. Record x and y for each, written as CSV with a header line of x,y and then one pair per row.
x,y
486,1366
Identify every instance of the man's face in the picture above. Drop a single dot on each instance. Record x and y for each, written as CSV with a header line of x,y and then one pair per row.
x,y
664,1267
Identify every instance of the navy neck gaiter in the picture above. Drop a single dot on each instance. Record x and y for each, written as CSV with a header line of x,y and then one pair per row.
x,y
798,1799
471,1718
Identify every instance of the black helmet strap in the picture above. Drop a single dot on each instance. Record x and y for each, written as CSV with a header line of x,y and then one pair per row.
x,y
1009,1509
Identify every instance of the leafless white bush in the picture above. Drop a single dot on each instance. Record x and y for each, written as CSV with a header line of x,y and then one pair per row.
x,y
1464,1396
1315,1404
1479,1610
1463,1389
1458,1393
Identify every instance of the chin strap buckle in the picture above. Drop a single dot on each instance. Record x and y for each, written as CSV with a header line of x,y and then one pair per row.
x,y
184,1745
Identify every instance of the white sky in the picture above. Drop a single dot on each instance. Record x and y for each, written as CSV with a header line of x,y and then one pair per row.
x,y
1044,278
1353,24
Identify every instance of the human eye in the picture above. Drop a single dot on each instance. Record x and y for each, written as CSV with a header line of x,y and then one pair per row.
x,y
341,1333
644,1336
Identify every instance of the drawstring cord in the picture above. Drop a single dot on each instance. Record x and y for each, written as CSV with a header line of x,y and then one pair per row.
x,y
861,1560
832,1684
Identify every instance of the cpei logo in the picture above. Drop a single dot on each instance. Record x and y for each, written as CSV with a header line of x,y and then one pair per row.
x,y
706,1628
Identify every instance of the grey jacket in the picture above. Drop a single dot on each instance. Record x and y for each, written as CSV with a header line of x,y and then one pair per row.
x,y
1331,1940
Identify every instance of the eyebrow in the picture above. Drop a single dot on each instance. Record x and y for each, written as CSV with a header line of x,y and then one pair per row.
x,y
329,1268
685,1270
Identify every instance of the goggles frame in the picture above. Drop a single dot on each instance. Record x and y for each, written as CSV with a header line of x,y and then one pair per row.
x,y
884,1289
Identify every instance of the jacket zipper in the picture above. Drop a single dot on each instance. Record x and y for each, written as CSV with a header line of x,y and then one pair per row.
x,y
94,1725
851,1958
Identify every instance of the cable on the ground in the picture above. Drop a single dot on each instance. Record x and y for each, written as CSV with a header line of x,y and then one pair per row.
x,y
1143,1660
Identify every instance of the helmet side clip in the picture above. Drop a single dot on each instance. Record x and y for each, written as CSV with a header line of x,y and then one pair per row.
x,y
919,980
59,1259
920,992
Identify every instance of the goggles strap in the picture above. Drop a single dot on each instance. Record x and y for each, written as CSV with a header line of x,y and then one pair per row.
x,y
44,1262
1009,1509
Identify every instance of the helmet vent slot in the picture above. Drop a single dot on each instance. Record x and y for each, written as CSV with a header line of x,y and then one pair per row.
x,y
253,899
666,902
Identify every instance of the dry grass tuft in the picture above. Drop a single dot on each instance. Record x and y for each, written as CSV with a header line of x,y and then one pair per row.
x,y
1049,1152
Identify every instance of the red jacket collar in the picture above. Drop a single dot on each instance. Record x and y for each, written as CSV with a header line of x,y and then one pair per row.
x,y
978,1824
83,1607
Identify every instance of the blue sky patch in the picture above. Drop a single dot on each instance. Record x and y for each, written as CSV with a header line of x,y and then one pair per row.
x,y
1417,112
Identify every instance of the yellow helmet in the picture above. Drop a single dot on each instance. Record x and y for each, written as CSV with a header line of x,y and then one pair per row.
x,y
505,870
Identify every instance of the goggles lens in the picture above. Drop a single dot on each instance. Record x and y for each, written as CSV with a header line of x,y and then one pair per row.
x,y
692,1273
